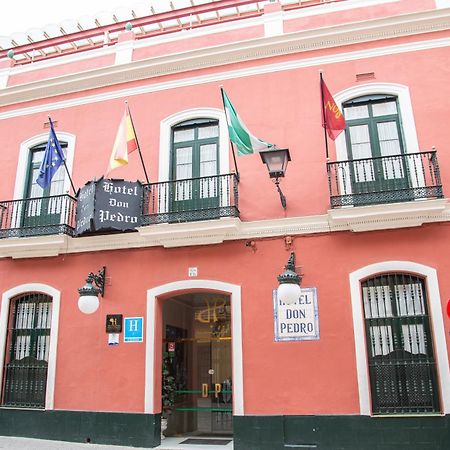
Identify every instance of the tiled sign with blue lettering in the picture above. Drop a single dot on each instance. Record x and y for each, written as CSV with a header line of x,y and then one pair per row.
x,y
298,321
133,329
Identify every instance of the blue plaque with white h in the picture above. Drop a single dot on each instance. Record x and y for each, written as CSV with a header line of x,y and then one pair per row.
x,y
133,329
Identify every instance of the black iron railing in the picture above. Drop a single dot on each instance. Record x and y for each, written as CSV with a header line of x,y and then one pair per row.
x,y
385,179
37,216
192,199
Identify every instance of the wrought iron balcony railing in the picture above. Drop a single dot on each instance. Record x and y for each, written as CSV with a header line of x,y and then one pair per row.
x,y
202,198
187,200
385,179
37,216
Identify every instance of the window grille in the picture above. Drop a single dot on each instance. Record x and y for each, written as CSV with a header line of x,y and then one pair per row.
x,y
28,341
402,367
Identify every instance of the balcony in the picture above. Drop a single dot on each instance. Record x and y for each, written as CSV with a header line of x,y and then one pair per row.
x,y
38,216
192,199
189,200
385,179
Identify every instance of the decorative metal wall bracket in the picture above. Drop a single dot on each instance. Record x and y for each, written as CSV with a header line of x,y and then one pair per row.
x,y
282,196
98,279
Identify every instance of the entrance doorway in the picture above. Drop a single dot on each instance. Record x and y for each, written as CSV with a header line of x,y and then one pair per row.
x,y
196,382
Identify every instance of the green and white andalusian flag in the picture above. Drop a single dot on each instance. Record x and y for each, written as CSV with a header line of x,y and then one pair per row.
x,y
245,142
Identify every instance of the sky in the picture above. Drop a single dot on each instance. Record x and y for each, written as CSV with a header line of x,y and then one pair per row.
x,y
21,15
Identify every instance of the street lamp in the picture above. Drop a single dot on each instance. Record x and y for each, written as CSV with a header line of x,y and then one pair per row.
x,y
88,302
289,289
276,161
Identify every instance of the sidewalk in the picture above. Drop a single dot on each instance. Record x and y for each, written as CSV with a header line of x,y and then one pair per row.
x,y
7,442
11,443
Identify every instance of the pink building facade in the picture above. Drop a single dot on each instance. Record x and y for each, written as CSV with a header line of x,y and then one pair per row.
x,y
361,360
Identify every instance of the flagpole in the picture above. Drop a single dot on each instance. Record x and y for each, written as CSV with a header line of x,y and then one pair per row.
x,y
137,142
231,142
323,116
64,159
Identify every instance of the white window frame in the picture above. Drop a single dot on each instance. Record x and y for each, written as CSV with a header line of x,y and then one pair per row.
x,y
190,114
24,157
406,115
4,316
436,321
23,168
165,148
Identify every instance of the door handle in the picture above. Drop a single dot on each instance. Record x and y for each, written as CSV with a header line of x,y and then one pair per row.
x,y
217,389
205,389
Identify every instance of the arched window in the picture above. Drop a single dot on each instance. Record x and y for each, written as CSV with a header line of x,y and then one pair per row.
x,y
194,179
27,351
46,209
30,157
56,187
378,157
374,147
401,360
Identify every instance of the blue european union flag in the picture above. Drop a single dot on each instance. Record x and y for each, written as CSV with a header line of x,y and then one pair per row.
x,y
53,158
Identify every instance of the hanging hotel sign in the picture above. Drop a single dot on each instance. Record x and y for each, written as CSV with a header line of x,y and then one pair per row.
x,y
298,321
108,205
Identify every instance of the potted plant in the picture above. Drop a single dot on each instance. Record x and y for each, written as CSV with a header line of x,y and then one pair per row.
x,y
168,392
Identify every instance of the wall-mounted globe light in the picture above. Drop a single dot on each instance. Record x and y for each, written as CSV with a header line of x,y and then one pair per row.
x,y
289,289
88,302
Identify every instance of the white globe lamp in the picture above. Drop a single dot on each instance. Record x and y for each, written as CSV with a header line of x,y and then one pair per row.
x,y
289,290
88,302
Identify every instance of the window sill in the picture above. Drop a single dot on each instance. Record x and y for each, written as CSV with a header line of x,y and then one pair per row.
x,y
390,216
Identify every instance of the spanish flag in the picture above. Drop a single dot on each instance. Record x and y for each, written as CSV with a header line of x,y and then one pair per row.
x,y
334,121
125,143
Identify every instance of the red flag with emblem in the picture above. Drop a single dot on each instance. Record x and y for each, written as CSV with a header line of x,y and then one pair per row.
x,y
334,121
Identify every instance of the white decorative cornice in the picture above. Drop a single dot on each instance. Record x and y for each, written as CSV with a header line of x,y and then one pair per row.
x,y
364,218
395,215
297,42
229,75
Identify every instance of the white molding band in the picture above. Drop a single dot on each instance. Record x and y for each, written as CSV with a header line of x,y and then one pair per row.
x,y
231,74
225,54
206,232
436,319
236,332
4,314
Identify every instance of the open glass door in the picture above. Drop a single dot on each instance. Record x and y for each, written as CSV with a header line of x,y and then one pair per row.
x,y
197,350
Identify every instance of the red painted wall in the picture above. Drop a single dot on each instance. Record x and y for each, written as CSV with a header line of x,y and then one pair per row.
x,y
280,107
283,107
309,377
